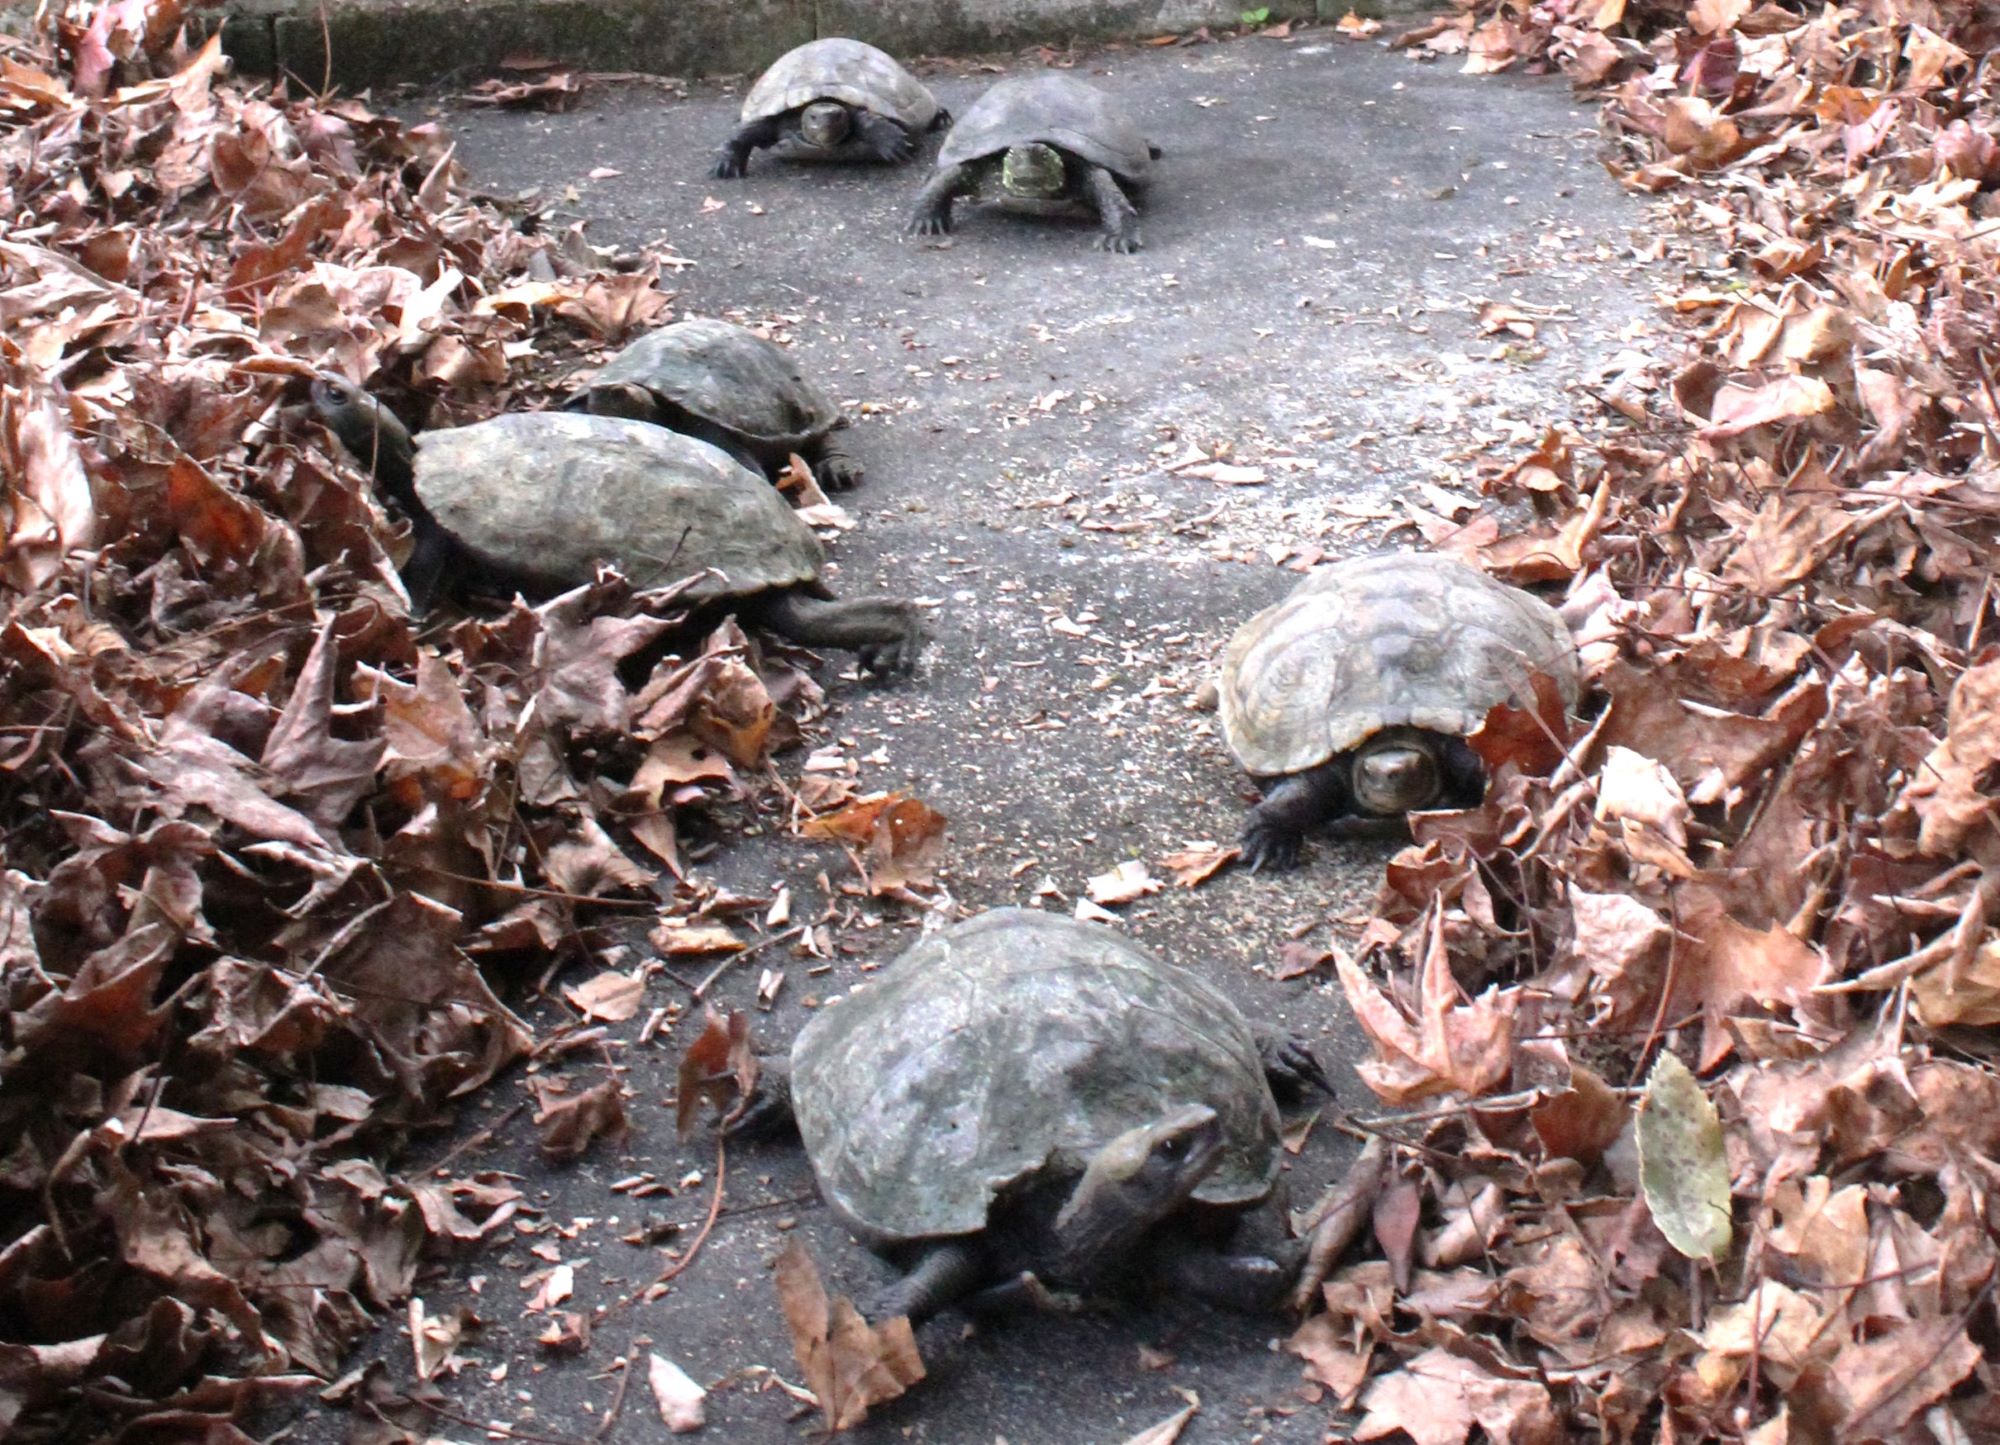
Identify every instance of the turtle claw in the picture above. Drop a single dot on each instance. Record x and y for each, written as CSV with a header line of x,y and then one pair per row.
x,y
727,168
1267,847
928,226
838,474
1292,1068
1120,242
896,657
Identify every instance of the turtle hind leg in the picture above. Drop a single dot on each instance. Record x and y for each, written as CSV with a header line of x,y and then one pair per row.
x,y
883,631
947,1273
1290,1067
733,158
940,121
882,138
932,214
1115,211
1275,830
834,466
1463,773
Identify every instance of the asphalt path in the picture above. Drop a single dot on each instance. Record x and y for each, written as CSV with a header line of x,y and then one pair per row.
x,y
1321,235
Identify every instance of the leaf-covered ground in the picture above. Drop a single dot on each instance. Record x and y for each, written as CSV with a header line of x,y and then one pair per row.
x,y
1771,852
273,849
1685,1037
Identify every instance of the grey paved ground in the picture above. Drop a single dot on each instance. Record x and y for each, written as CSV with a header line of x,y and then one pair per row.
x,y
1326,221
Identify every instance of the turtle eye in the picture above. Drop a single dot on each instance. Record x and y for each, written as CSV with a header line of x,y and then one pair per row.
x,y
1171,1148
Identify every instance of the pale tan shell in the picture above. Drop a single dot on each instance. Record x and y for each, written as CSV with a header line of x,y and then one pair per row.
x,y
1408,639
849,71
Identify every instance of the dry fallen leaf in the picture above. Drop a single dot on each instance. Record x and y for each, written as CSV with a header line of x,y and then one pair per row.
x,y
679,1399
1123,884
848,1364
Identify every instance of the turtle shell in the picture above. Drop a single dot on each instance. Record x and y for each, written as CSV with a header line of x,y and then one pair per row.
x,y
985,1047
849,71
550,494
1408,639
728,376
1052,109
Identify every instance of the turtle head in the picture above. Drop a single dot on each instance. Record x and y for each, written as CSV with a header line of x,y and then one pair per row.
x,y
623,399
825,123
1138,1179
1397,775
1033,172
369,430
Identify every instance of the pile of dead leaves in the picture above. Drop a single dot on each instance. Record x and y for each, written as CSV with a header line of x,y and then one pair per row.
x,y
1773,856
265,838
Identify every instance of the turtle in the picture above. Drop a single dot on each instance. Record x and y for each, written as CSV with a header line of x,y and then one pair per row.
x,y
1356,692
533,501
1047,144
834,98
1026,1106
726,385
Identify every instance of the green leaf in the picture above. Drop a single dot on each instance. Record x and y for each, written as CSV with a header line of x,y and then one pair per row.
x,y
1682,1167
1257,16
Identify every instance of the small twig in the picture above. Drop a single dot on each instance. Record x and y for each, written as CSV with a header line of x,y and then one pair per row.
x,y
533,892
493,1427
484,1136
1335,1221
618,1399
701,989
680,1265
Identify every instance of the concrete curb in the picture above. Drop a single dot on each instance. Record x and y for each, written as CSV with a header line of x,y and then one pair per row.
x,y
374,42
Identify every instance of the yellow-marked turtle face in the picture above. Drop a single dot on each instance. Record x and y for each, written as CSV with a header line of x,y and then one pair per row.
x,y
1033,172
825,123
1396,776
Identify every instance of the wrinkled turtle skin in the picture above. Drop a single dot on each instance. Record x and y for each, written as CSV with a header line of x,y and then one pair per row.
x,y
535,501
727,386
1024,1093
1380,663
958,1069
834,99
1047,144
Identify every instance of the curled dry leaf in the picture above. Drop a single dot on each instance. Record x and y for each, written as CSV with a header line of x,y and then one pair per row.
x,y
570,1123
1126,883
900,839
680,1401
720,1066
849,1365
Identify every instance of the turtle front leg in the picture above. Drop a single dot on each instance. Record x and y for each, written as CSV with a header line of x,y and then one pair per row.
x,y
767,1108
1290,1067
734,157
1115,212
834,466
882,138
1247,1283
883,631
949,1272
932,214
1275,830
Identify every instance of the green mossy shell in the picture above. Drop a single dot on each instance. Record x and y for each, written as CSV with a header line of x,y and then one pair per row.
x,y
552,494
849,71
985,1048
728,376
1408,639
1050,109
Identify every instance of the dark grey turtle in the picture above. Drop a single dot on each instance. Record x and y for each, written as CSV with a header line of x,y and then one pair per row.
x,y
1027,1095
534,501
834,99
1357,691
729,387
1047,144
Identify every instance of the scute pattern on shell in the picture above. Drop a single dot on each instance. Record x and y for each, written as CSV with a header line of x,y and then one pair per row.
x,y
729,376
1052,109
1407,639
552,494
849,71
985,1047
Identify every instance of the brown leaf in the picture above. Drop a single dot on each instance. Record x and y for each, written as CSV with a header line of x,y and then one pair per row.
x,y
1195,864
1438,1398
720,1066
611,997
1949,795
1583,1120
850,1365
901,838
570,1123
